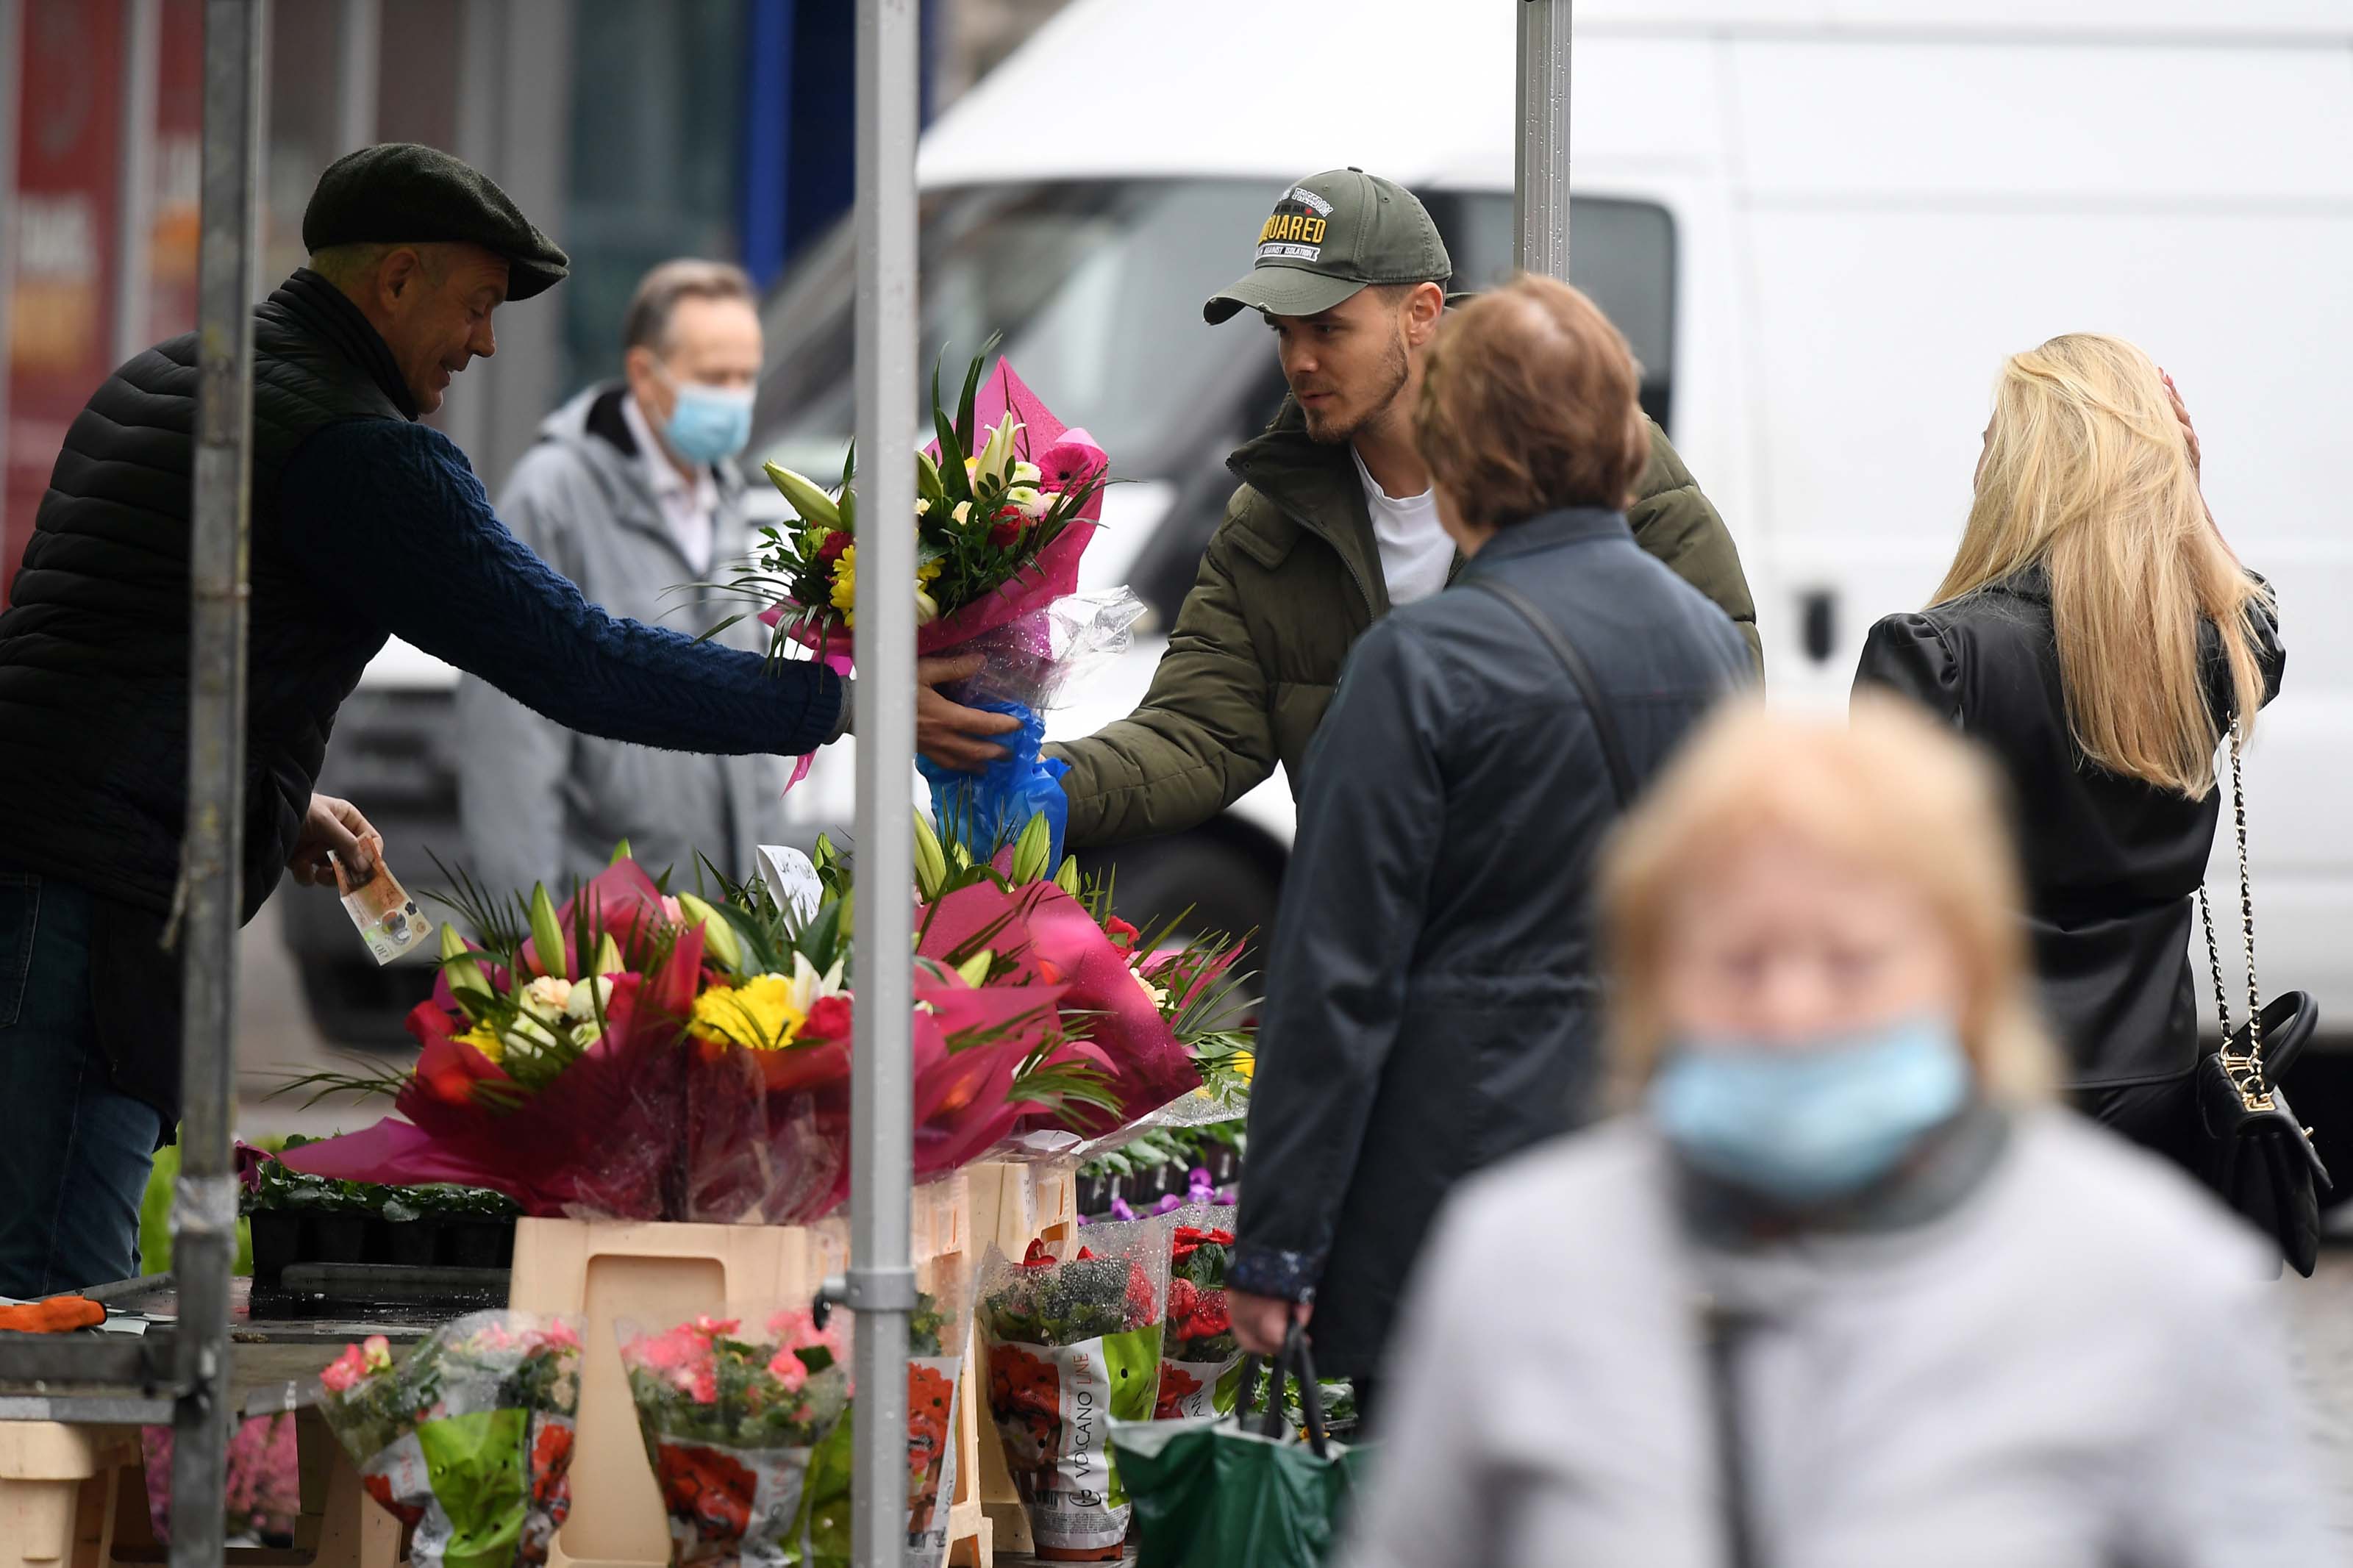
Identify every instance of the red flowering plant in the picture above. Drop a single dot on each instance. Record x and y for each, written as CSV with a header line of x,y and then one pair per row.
x,y
1200,1369
469,1440
732,1408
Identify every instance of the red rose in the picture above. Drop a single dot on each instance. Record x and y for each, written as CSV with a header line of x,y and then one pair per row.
x,y
1007,532
1211,1316
834,544
1122,935
1182,1295
829,1019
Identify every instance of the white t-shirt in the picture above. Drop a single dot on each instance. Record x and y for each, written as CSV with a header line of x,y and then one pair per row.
x,y
1415,553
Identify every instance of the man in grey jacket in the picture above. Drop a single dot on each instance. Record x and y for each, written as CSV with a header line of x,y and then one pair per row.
x,y
631,492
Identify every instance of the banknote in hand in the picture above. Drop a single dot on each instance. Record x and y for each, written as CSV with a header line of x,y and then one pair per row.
x,y
387,918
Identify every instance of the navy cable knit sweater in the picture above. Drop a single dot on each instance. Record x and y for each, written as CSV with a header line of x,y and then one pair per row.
x,y
389,518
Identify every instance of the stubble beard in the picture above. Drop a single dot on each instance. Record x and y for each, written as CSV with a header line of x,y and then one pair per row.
x,y
1331,430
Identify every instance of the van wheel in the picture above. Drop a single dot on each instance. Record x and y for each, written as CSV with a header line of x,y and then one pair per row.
x,y
1226,887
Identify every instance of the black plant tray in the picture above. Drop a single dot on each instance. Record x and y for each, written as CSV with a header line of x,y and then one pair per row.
x,y
284,1238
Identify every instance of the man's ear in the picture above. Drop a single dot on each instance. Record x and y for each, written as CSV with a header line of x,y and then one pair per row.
x,y
1422,308
400,271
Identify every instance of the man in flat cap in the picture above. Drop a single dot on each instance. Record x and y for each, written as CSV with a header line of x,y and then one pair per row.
x,y
366,525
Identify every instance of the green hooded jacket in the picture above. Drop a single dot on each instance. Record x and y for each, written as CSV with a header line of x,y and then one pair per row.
x,y
1289,581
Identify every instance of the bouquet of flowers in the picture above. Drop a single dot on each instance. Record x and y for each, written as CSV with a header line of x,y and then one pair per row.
x,y
1202,1362
936,1331
1074,1343
1005,501
470,1441
731,1420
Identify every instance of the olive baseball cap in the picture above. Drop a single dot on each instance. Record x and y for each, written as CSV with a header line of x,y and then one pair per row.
x,y
1332,234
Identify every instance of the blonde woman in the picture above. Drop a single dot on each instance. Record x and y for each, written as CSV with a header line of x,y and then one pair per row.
x,y
1811,1302
2098,637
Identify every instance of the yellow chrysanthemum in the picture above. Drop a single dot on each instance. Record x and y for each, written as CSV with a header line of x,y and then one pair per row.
x,y
485,1040
845,582
1246,1064
845,585
758,1014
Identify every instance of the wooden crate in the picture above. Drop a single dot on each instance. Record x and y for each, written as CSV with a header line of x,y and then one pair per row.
x,y
75,1496
1012,1206
657,1275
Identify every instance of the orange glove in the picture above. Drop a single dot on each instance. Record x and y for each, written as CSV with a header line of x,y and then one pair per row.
x,y
57,1315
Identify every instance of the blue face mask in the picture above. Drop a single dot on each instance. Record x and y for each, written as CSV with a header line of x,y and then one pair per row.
x,y
707,423
1808,1126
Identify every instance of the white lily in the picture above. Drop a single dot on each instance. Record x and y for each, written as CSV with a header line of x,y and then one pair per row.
x,y
996,458
807,987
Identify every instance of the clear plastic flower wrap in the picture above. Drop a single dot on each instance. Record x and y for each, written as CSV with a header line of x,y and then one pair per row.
x,y
1074,1337
1031,658
732,1407
937,1333
1200,1359
469,1439
1028,661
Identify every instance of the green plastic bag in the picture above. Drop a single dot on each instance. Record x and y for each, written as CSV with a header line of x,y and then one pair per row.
x,y
1214,1492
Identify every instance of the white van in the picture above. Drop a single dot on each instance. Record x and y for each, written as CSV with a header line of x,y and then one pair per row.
x,y
1821,227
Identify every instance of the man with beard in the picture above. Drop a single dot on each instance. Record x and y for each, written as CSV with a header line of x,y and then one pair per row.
x,y
1334,525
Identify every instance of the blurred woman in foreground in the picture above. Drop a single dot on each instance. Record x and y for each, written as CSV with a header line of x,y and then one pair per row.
x,y
2097,635
1811,1302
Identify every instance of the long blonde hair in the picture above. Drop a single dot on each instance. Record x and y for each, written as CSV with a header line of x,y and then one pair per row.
x,y
1887,790
2087,473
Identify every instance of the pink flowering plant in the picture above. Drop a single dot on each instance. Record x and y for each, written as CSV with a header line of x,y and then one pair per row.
x,y
776,1381
469,1439
732,1409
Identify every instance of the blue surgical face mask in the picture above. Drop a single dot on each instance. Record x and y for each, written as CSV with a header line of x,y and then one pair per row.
x,y
707,423
1810,1125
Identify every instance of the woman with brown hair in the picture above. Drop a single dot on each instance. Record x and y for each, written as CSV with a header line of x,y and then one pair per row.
x,y
1432,1000
1811,1301
2097,635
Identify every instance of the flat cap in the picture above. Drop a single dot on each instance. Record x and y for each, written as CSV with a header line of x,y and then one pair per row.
x,y
398,193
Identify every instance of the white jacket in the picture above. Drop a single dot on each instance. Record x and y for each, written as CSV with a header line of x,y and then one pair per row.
x,y
2078,1366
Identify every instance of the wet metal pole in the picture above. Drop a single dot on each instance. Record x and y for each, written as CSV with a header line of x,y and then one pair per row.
x,y
204,1212
881,1280
1540,183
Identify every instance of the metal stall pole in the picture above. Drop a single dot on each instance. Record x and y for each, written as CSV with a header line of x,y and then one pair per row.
x,y
882,1279
204,1211
1540,172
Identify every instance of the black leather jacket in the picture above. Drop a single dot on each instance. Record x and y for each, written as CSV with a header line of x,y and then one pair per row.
x,y
2112,865
1433,1002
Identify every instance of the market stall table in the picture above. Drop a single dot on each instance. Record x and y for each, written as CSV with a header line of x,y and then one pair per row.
x,y
72,1492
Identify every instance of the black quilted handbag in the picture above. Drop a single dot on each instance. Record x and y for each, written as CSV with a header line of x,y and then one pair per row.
x,y
2256,1153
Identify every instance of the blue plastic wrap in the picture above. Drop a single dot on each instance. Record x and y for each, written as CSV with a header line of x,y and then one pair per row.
x,y
986,811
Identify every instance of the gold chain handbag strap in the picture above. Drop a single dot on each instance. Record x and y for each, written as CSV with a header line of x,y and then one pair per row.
x,y
2246,1070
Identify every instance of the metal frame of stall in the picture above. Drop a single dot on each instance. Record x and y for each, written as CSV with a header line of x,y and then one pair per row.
x,y
880,1284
